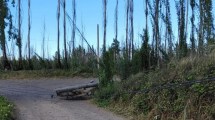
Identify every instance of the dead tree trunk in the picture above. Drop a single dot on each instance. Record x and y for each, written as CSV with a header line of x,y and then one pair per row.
x,y
105,23
29,30
58,35
19,40
64,27
116,20
126,39
131,29
157,44
74,22
44,35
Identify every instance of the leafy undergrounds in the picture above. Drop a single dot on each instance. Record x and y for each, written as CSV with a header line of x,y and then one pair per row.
x,y
183,90
6,109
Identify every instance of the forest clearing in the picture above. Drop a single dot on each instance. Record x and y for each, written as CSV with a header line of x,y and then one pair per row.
x,y
151,59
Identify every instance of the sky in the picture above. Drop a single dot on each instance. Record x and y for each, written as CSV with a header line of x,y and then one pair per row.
x,y
89,14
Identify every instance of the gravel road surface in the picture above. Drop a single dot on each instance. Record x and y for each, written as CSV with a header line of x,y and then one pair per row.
x,y
33,101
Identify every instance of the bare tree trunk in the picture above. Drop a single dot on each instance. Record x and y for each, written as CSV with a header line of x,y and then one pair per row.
x,y
74,22
98,45
19,40
116,20
187,19
64,26
146,13
43,44
82,31
58,35
126,39
29,30
105,23
132,28
200,49
6,63
116,26
157,31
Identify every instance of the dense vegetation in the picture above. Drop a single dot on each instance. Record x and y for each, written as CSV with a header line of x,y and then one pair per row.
x,y
178,91
6,109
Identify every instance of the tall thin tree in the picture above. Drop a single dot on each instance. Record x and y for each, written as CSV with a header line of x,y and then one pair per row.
x,y
146,13
156,30
168,27
201,33
64,27
105,23
180,7
4,17
19,39
29,30
74,22
116,20
131,28
58,35
192,19
208,21
116,27
127,22
44,37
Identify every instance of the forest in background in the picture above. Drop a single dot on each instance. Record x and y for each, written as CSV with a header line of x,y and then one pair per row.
x,y
157,48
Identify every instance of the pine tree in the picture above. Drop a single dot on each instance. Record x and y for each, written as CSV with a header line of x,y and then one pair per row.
x,y
5,19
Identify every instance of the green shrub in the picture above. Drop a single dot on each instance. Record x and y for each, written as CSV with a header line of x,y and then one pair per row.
x,y
104,95
5,109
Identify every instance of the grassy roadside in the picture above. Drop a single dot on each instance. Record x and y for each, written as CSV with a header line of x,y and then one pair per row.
x,y
194,101
28,74
6,109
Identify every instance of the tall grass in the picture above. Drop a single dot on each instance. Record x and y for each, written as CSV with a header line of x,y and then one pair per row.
x,y
194,101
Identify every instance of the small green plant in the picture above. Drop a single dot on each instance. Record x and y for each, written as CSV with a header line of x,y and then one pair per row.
x,y
104,95
5,109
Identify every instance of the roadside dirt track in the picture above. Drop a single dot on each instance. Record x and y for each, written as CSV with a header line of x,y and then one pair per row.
x,y
33,101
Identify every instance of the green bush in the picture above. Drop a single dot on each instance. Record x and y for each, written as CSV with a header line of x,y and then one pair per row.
x,y
104,95
5,109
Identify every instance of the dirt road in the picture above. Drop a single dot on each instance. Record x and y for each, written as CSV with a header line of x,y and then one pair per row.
x,y
34,102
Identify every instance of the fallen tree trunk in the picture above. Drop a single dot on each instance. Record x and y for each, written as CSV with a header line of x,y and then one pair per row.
x,y
68,89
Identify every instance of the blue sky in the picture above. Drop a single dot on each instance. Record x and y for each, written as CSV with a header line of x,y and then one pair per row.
x,y
89,13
